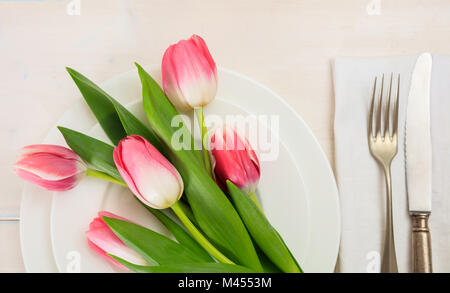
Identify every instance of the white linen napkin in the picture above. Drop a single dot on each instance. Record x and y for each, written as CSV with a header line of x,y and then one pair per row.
x,y
360,178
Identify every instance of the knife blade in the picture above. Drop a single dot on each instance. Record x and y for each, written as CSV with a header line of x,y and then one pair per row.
x,y
418,160
418,137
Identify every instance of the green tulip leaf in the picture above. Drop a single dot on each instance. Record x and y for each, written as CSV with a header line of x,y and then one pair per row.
x,y
99,102
132,125
93,151
153,247
262,231
161,108
115,119
267,264
183,237
185,268
214,213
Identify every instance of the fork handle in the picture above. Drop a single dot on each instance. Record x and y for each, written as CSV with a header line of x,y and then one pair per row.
x,y
389,260
421,243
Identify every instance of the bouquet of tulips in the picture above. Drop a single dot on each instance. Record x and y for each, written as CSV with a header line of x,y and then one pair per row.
x,y
220,226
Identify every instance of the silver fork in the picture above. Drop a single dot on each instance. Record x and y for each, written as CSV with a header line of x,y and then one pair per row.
x,y
383,147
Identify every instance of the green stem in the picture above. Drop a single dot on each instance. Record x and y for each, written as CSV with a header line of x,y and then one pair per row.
x,y
101,175
178,210
188,212
204,131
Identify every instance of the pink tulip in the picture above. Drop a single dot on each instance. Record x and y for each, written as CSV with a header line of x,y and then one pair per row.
x,y
234,160
103,242
189,74
149,175
50,166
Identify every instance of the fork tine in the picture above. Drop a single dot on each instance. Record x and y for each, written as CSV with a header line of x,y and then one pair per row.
x,y
372,108
380,108
397,98
387,114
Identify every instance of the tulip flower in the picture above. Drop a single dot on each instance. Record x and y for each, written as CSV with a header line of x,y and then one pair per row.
x,y
189,74
156,183
148,174
104,242
50,166
234,160
189,77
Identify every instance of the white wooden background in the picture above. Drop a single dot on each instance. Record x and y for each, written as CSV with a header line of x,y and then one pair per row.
x,y
286,44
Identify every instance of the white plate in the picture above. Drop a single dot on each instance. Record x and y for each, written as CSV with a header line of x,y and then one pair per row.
x,y
297,191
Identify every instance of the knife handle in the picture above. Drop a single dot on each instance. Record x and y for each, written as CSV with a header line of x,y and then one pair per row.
x,y
421,243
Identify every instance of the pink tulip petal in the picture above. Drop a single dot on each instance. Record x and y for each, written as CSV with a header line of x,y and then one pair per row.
x,y
55,185
117,155
228,163
191,63
97,223
103,241
201,45
103,254
235,160
159,158
49,166
170,82
189,73
47,148
150,176
250,162
102,214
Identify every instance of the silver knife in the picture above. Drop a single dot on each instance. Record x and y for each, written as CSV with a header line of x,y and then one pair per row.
x,y
418,162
